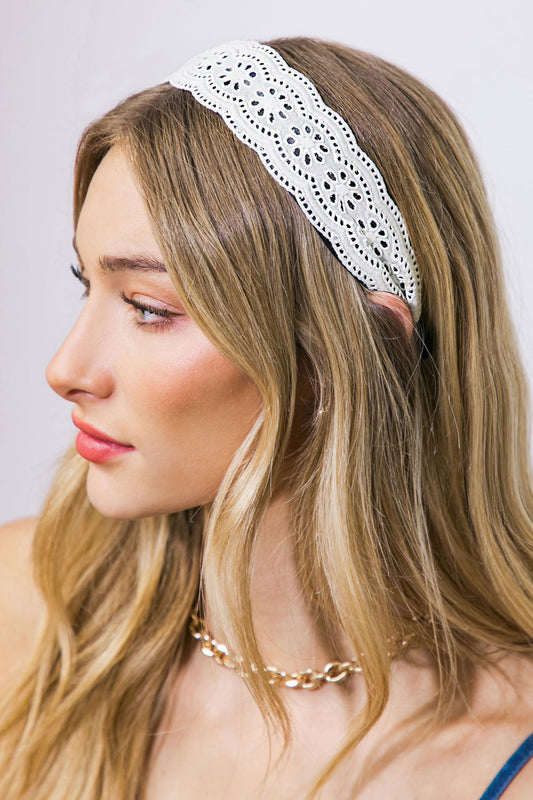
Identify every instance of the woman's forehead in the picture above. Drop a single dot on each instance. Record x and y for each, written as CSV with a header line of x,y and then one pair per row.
x,y
114,218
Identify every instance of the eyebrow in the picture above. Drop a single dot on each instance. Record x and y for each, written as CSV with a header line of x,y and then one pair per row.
x,y
121,263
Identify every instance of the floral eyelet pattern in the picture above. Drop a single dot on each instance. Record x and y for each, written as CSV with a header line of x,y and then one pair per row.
x,y
311,151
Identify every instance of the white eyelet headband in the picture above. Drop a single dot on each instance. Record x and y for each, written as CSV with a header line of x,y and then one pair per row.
x,y
311,151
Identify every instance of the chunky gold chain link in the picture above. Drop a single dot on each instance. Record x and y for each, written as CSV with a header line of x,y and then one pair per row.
x,y
334,672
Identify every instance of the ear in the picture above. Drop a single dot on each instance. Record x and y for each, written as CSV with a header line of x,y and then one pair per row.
x,y
398,307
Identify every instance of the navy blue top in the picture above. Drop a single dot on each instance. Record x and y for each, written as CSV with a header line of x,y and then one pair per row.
x,y
509,770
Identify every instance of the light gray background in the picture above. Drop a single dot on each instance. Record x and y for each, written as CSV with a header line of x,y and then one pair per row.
x,y
64,62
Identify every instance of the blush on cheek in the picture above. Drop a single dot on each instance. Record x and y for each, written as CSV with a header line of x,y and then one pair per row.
x,y
194,416
203,380
219,401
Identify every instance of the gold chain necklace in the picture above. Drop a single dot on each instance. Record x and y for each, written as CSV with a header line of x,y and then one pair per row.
x,y
334,672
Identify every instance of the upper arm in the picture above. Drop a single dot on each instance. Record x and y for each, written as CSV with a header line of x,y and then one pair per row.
x,y
21,605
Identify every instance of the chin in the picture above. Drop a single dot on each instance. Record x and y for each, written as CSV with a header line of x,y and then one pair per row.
x,y
113,510
130,512
125,496
115,503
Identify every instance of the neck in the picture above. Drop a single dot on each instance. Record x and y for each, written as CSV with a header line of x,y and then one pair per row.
x,y
287,633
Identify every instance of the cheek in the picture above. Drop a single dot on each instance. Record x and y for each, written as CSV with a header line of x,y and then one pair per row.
x,y
199,398
186,409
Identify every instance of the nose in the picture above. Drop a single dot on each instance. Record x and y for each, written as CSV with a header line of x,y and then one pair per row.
x,y
81,365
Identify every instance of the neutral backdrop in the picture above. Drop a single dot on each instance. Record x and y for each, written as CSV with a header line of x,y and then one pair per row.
x,y
64,62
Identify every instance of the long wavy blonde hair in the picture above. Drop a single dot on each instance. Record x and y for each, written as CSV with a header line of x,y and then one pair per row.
x,y
412,494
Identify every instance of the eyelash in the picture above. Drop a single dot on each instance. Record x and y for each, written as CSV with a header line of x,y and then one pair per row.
x,y
165,315
76,271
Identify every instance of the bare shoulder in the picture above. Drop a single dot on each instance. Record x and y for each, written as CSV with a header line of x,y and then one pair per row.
x,y
16,540
521,787
21,606
518,672
503,705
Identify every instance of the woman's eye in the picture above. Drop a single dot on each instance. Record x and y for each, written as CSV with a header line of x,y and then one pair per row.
x,y
146,316
149,316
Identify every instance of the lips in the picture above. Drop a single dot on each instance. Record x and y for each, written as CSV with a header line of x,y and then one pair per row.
x,y
98,447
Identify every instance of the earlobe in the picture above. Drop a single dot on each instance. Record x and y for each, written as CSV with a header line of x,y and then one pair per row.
x,y
399,308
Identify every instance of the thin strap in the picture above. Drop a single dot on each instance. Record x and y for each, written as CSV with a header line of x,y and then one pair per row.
x,y
510,770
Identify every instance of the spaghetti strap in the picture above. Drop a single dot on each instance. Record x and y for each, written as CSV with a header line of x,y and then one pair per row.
x,y
510,770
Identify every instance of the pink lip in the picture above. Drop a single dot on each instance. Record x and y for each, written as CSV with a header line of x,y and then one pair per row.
x,y
95,446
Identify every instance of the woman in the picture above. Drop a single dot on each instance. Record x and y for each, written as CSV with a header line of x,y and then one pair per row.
x,y
302,430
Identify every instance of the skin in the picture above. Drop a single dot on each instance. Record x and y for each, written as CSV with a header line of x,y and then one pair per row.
x,y
157,383
185,409
212,743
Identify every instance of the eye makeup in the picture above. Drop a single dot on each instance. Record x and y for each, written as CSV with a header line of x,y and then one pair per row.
x,y
163,316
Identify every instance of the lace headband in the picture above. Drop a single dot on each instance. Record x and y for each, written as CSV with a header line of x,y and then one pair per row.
x,y
310,151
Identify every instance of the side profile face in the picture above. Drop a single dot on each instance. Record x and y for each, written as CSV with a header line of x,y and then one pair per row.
x,y
139,371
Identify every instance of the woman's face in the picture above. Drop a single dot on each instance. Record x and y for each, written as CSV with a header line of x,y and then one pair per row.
x,y
140,372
